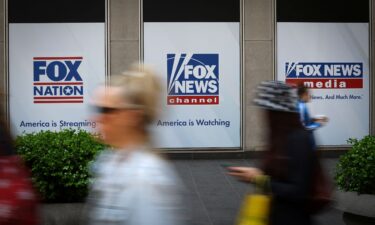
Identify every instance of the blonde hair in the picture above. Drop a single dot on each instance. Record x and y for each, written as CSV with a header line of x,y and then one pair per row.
x,y
140,88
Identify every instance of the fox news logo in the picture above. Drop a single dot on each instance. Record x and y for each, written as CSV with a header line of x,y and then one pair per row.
x,y
193,79
325,75
57,80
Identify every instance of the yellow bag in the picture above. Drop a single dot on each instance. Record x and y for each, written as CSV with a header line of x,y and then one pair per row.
x,y
255,207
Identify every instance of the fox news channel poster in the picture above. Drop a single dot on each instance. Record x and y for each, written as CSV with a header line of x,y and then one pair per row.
x,y
332,59
199,65
53,68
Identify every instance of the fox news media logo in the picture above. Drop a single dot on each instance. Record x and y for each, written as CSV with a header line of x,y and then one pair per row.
x,y
193,79
325,75
57,80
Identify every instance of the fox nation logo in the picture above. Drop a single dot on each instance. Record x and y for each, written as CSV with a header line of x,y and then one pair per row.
x,y
57,80
193,79
325,75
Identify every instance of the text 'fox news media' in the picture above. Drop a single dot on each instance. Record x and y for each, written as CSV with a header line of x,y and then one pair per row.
x,y
335,75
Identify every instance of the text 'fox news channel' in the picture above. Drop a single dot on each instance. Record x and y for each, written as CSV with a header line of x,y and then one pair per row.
x,y
193,79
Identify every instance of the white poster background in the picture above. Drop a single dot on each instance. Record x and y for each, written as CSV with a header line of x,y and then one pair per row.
x,y
53,40
198,38
330,42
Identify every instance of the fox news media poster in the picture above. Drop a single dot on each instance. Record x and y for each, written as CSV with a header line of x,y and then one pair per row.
x,y
199,66
53,69
332,59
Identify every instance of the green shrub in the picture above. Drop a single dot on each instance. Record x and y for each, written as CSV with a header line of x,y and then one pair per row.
x,y
355,170
59,162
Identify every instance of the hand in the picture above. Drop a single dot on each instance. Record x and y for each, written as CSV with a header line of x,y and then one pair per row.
x,y
321,119
246,174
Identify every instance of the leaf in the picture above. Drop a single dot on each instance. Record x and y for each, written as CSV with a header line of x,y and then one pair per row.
x,y
356,168
59,162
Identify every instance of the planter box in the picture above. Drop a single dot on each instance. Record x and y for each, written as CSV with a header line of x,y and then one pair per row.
x,y
351,202
352,219
62,214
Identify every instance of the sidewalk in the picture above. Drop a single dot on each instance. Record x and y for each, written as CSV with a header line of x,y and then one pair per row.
x,y
212,196
215,197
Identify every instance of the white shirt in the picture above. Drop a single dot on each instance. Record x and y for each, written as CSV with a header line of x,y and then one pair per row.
x,y
134,188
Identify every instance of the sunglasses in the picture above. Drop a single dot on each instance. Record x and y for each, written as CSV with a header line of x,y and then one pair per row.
x,y
104,109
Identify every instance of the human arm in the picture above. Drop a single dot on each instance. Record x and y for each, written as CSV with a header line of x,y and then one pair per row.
x,y
307,122
295,185
320,119
246,174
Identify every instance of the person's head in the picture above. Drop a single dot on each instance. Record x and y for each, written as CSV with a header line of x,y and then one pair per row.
x,y
280,103
303,93
127,106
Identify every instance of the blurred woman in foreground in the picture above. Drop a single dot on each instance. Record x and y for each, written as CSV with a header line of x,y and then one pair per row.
x,y
132,185
289,161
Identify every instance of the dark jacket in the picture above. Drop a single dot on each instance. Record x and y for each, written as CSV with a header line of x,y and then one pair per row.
x,y
291,172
